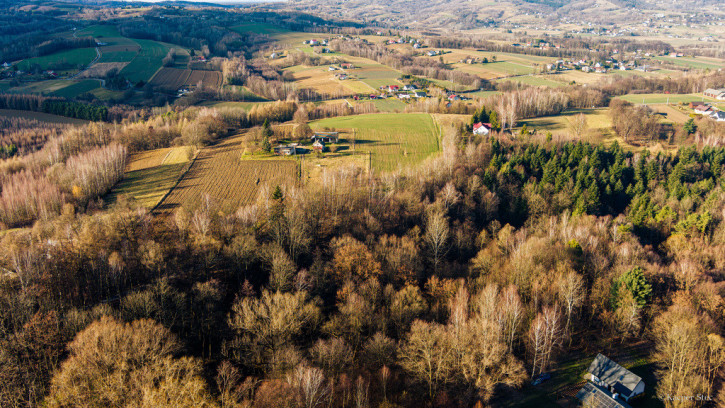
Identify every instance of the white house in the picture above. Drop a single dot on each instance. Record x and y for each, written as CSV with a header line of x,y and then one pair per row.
x,y
718,116
704,110
481,128
612,377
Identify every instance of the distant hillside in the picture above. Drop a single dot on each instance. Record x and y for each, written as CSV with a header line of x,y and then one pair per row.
x,y
478,13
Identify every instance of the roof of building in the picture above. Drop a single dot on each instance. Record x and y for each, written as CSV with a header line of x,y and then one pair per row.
x,y
611,373
594,396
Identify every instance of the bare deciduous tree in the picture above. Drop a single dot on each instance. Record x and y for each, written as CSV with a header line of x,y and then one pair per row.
x,y
436,235
571,288
310,383
578,125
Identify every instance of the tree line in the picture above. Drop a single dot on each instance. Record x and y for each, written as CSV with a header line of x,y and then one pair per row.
x,y
53,105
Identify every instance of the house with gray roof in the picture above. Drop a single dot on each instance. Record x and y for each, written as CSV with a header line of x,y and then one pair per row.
x,y
617,380
594,396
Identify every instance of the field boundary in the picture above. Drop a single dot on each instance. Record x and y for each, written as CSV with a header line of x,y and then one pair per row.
x,y
182,173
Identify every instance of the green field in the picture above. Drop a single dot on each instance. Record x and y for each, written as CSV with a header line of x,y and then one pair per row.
x,y
394,140
597,120
117,48
234,105
60,61
452,85
389,105
378,77
696,63
278,34
147,62
78,88
106,94
483,94
357,86
147,186
42,87
117,56
665,98
534,81
99,31
41,117
151,177
509,68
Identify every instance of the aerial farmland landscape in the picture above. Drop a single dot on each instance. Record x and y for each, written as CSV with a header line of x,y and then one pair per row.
x,y
362,203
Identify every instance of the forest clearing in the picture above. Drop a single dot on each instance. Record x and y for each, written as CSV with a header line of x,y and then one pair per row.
x,y
230,182
392,140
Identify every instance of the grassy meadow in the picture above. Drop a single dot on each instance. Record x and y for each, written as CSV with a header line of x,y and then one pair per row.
x,y
150,175
393,140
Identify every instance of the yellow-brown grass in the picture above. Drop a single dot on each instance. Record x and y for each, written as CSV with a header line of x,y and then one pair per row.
x,y
229,181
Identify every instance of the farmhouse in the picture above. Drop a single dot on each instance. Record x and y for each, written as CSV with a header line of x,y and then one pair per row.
x,y
481,128
319,146
606,376
695,105
393,88
326,137
403,96
287,150
715,93
704,109
410,87
347,65
419,94
719,116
